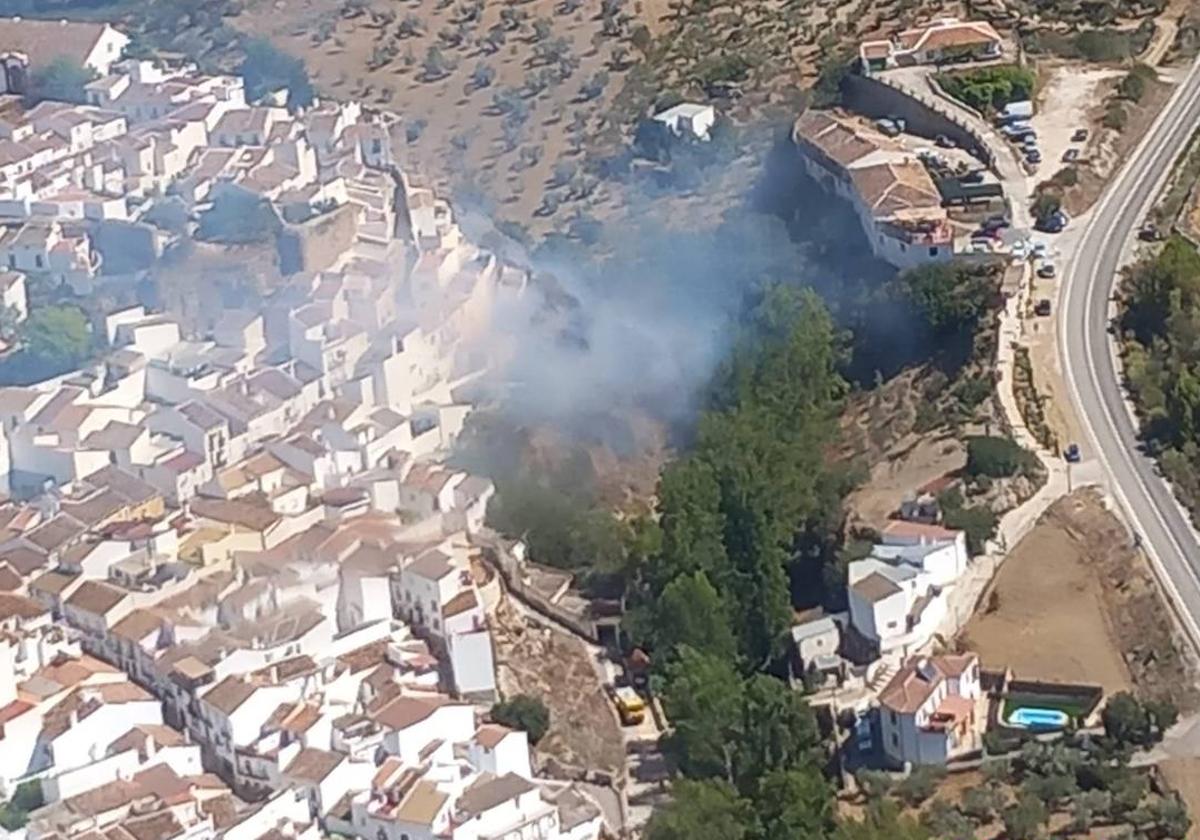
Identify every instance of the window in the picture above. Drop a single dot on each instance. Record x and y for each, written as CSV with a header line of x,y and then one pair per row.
x,y
933,252
895,740
891,625
38,261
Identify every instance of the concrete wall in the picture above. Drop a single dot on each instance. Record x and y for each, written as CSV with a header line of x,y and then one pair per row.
x,y
875,99
315,245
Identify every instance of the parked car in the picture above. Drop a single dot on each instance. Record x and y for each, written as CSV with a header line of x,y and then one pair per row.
x,y
1039,250
1071,453
980,246
1042,307
887,127
996,222
1080,135
944,142
1070,155
973,177
1033,155
1046,270
1054,223
1150,232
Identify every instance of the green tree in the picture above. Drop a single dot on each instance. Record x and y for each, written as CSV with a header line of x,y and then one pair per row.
x,y
523,712
778,731
949,297
238,217
995,457
62,80
705,810
793,805
14,814
1129,721
58,336
690,612
1023,820
266,68
703,696
882,822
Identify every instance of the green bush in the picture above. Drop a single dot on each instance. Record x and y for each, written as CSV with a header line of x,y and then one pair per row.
x,y
989,88
523,712
1115,117
14,813
997,457
979,522
238,218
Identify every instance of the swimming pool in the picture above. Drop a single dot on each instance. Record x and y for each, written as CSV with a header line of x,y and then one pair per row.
x,y
1033,718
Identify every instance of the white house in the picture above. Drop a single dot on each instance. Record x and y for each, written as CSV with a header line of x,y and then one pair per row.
x,y
938,551
689,119
932,710
938,42
897,203
896,607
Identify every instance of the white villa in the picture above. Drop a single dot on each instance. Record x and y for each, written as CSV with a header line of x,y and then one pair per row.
x,y
931,711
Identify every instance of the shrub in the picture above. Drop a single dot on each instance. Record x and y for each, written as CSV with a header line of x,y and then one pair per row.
x,y
1115,117
919,785
989,88
523,712
979,522
997,457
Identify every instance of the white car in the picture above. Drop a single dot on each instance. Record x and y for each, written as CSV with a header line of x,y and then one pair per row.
x,y
1040,250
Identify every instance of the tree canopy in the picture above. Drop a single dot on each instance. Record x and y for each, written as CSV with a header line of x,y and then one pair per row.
x,y
523,712
1159,322
266,68
57,336
62,80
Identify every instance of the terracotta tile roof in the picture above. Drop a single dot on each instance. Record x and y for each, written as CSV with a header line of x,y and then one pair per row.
x,y
433,565
45,40
422,805
96,597
404,711
138,625
491,734
489,791
230,693
460,603
313,765
920,677
875,587
18,606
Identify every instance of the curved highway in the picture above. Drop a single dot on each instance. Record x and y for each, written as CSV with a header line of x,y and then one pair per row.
x,y
1089,364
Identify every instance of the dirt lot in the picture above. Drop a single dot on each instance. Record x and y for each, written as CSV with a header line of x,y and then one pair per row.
x,y
1073,602
911,463
1107,149
558,668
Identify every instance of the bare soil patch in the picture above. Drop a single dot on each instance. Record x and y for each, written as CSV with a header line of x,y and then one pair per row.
x,y
1074,602
558,668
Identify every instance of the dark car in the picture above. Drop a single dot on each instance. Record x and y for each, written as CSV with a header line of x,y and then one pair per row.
x,y
944,142
1042,308
996,222
1080,135
1071,453
1070,155
973,177
1054,223
1150,233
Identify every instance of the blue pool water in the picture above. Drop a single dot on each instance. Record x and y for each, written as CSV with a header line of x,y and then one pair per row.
x,y
1033,718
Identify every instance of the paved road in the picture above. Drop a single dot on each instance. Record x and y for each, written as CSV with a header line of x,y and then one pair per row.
x,y
1089,365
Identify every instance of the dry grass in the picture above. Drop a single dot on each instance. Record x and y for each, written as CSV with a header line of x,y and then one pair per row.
x,y
556,667
1074,602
